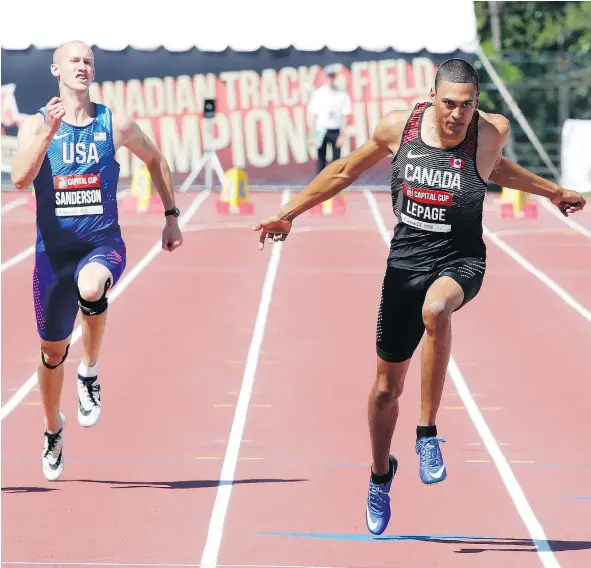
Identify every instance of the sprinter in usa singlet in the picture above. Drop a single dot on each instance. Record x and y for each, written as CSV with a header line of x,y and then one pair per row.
x,y
77,220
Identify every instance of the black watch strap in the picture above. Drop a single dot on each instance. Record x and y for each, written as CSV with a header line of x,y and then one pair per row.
x,y
175,212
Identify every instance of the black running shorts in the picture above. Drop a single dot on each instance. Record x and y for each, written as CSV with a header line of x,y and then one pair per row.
x,y
400,324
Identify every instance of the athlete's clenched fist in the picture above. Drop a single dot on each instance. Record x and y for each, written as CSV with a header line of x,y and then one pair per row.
x,y
54,112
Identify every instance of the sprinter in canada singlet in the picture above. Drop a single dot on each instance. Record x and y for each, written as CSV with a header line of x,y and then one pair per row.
x,y
436,260
437,196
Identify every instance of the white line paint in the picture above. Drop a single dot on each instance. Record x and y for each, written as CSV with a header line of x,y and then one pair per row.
x,y
14,260
13,204
30,250
541,276
531,231
160,565
211,550
125,281
547,205
522,505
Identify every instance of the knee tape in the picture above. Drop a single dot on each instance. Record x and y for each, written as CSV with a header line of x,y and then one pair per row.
x,y
94,308
55,366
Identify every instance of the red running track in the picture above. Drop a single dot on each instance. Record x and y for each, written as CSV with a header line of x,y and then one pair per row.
x,y
140,487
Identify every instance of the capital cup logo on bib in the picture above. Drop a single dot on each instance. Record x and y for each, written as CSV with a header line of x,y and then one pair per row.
x,y
426,209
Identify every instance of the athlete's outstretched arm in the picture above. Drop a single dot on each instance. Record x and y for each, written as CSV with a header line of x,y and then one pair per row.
x,y
509,174
129,134
337,176
34,137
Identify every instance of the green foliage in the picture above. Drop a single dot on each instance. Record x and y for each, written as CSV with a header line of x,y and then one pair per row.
x,y
578,19
547,26
508,72
544,61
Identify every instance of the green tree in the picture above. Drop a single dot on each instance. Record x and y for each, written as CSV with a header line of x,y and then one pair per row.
x,y
543,61
546,26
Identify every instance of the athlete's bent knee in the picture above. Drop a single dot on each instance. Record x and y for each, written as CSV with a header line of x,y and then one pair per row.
x,y
436,315
52,357
386,394
92,299
389,382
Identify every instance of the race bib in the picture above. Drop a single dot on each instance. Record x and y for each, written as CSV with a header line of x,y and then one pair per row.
x,y
78,195
426,209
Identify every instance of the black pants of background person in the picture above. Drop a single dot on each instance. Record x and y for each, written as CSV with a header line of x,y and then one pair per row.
x,y
329,138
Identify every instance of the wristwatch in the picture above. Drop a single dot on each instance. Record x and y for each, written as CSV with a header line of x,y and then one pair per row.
x,y
175,212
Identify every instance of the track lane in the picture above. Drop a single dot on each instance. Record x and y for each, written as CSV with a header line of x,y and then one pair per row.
x,y
314,430
525,354
20,342
140,485
558,250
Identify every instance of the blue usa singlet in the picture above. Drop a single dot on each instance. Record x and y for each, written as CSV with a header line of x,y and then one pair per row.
x,y
76,188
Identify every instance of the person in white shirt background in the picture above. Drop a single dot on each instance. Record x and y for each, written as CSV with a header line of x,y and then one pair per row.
x,y
328,113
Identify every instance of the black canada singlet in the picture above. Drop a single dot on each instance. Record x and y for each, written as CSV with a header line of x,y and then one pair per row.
x,y
437,196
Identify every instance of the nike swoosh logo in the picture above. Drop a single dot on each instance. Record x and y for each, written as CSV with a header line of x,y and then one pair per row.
x,y
373,525
83,410
438,473
411,155
57,462
56,137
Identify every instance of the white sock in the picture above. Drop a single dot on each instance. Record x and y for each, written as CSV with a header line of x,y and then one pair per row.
x,y
85,371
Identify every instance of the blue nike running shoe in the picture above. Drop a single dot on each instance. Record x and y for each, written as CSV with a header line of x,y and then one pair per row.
x,y
377,512
431,466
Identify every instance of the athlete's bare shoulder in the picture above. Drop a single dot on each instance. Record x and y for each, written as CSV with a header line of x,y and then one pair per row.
x,y
121,121
127,132
384,140
389,130
31,125
493,133
493,129
125,129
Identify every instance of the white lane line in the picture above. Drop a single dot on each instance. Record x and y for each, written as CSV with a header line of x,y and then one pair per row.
x,y
13,204
541,276
547,205
211,549
14,260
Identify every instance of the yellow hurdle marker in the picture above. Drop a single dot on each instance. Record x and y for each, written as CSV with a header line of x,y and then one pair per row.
x,y
146,200
235,197
333,207
515,203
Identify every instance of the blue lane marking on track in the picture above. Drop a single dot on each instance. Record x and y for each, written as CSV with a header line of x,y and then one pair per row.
x,y
369,537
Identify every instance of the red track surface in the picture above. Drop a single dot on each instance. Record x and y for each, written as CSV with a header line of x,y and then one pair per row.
x,y
140,487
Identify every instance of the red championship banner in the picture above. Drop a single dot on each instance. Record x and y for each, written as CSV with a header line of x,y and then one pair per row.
x,y
261,121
